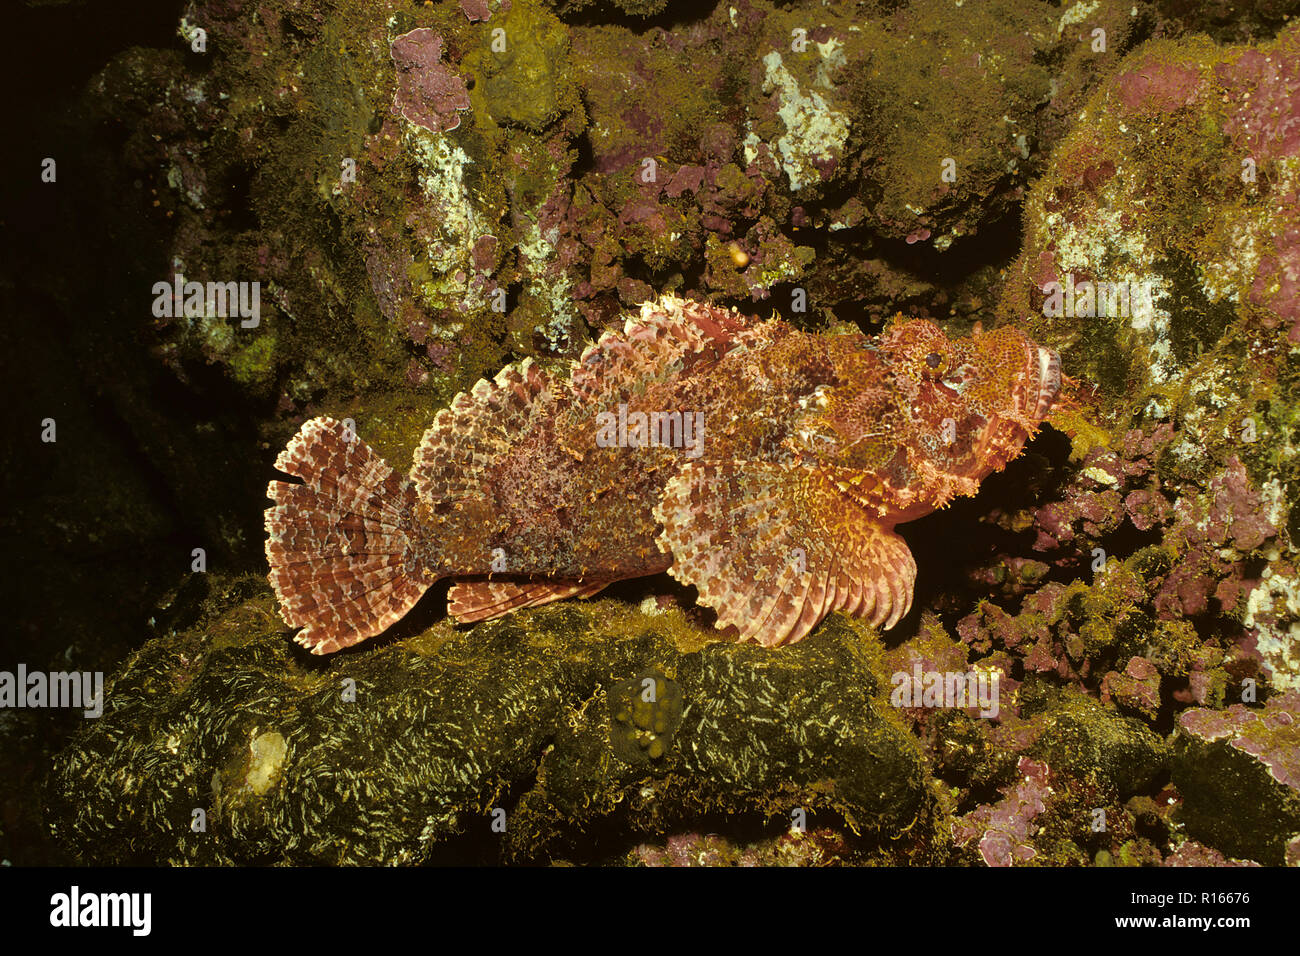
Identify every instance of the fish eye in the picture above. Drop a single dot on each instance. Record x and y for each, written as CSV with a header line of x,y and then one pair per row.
x,y
933,359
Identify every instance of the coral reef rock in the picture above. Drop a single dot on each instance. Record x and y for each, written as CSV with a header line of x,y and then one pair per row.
x,y
225,744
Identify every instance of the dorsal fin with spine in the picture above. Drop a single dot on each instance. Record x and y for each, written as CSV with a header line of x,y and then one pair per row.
x,y
477,430
664,340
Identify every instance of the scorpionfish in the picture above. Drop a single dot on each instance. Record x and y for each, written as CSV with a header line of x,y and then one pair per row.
x,y
765,465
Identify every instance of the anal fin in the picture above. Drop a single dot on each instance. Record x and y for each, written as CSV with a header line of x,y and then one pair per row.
x,y
481,600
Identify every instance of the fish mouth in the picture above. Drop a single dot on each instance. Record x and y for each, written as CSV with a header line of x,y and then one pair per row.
x,y
1049,381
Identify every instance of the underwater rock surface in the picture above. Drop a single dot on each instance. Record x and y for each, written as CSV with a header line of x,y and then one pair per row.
x,y
400,171
1160,256
1240,772
420,211
547,724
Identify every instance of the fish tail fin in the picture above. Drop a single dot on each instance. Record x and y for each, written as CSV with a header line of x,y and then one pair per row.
x,y
344,546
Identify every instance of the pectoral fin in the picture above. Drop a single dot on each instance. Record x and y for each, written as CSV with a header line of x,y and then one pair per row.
x,y
774,549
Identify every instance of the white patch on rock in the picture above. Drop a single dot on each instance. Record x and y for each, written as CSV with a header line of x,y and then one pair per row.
x,y
1105,238
442,178
268,751
1100,475
1222,276
1272,494
813,130
441,175
832,58
1076,14
554,292
1277,598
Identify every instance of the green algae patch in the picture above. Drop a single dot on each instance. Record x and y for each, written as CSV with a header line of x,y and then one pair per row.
x,y
1094,744
528,83
766,737
563,718
646,712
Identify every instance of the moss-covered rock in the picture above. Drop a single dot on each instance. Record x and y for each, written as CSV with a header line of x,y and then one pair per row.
x,y
1094,744
1154,255
1239,773
1160,257
225,744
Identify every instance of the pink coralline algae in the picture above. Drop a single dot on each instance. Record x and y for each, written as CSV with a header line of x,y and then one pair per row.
x,y
1005,829
1210,529
1192,853
819,847
1137,688
1158,86
428,94
1279,277
1229,515
477,11
1233,515
1267,122
1098,503
1271,736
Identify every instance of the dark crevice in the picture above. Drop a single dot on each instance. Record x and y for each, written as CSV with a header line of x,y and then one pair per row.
x,y
675,15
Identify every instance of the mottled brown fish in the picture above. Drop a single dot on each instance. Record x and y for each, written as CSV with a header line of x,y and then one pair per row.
x,y
765,466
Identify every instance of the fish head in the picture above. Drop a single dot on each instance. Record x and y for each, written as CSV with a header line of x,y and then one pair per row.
x,y
1001,373
917,408
969,403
